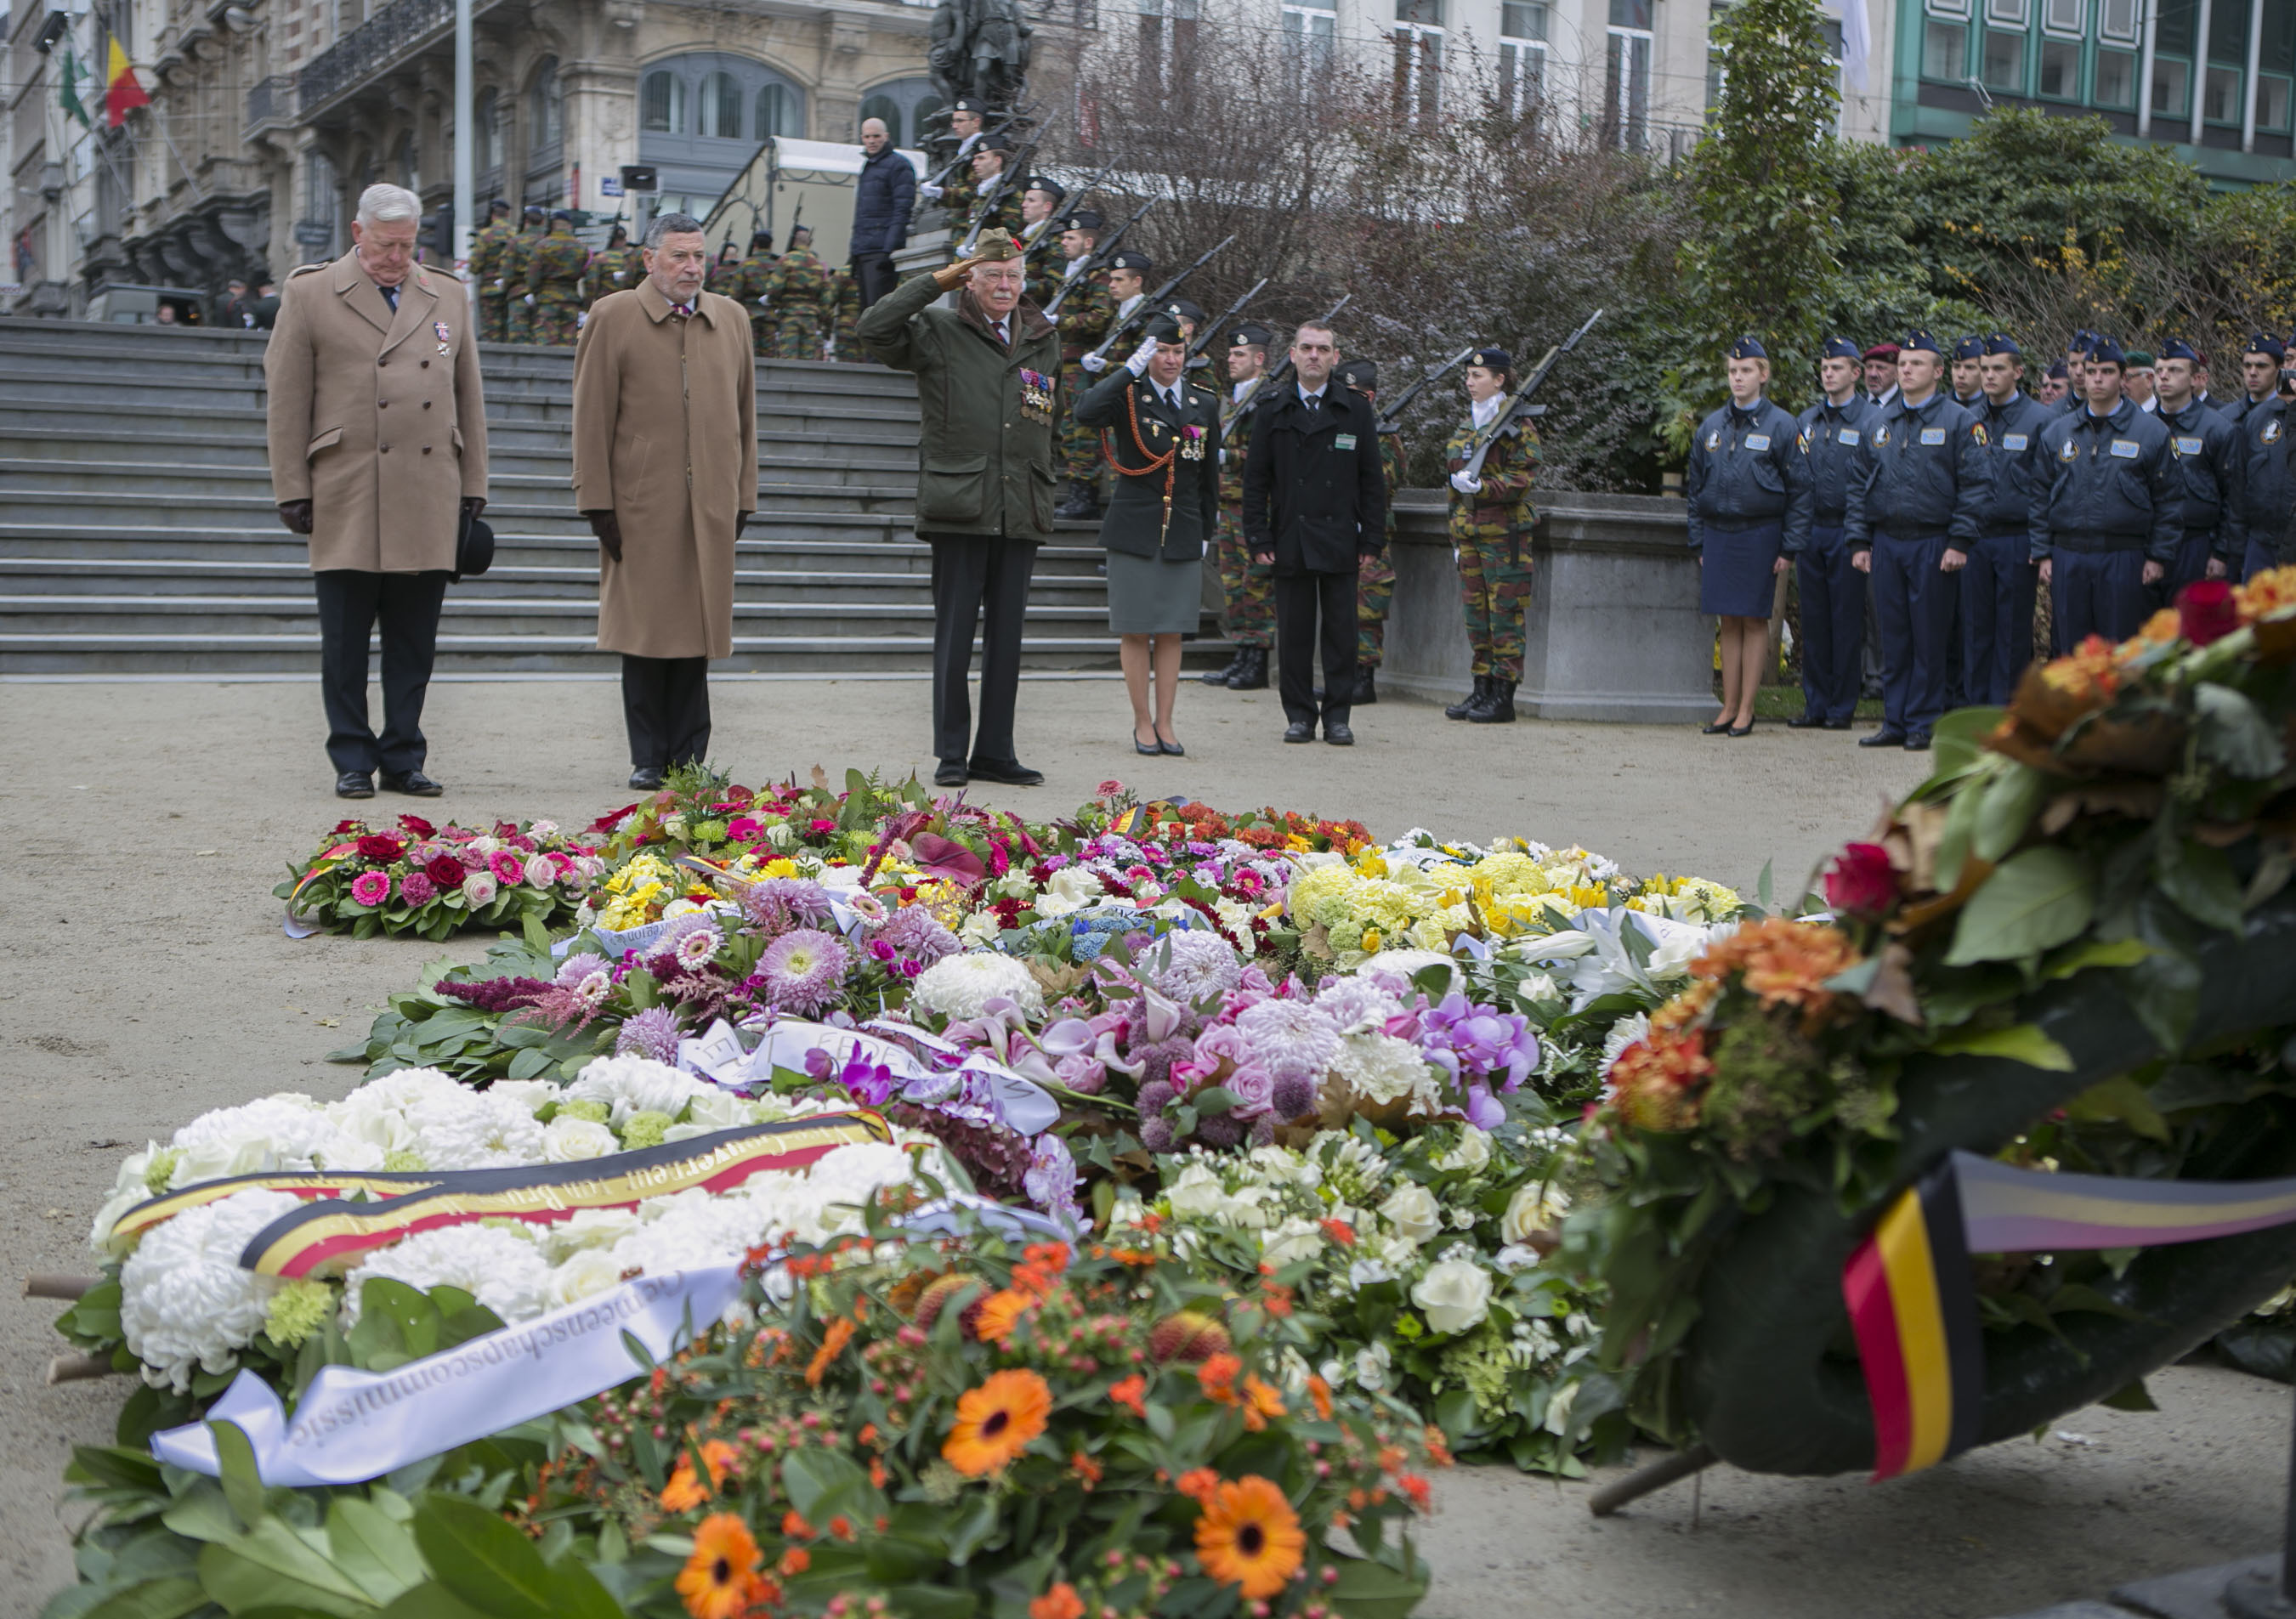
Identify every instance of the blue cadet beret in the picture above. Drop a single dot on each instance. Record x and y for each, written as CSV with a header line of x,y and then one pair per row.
x,y
1838,348
1969,348
1749,347
1129,260
562,217
1491,359
2177,348
1919,342
2058,372
2104,351
2001,342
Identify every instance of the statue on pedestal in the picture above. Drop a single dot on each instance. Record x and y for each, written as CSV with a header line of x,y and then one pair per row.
x,y
979,50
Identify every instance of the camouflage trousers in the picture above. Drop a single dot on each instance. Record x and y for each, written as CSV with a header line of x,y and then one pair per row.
x,y
1495,585
520,327
494,320
761,334
797,337
1375,590
1246,590
554,321
1080,445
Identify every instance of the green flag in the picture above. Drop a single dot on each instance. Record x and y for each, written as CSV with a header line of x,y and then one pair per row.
x,y
69,96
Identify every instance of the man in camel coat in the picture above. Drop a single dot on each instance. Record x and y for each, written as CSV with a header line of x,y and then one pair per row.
x,y
378,439
666,470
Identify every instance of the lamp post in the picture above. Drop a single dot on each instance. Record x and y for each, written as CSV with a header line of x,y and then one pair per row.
x,y
466,174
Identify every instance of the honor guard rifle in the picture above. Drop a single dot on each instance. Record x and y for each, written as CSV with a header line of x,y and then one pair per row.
x,y
1016,167
1391,420
1264,386
1154,301
939,176
1072,278
1227,315
1519,408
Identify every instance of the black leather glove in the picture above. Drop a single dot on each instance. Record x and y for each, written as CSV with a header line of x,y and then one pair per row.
x,y
608,528
296,515
472,504
742,521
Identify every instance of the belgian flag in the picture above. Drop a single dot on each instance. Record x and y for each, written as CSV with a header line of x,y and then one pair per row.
x,y
123,91
1914,1309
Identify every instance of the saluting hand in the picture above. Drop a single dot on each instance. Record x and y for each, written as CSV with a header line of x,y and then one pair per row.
x,y
948,278
1141,355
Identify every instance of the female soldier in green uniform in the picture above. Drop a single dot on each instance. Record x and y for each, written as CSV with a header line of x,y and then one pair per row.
x,y
1490,525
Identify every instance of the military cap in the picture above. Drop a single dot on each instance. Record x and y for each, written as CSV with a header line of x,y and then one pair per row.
x,y
1359,374
1880,351
966,103
534,211
1084,219
1969,348
1130,260
1163,326
993,246
1838,348
992,142
499,206
2057,371
2083,341
1049,186
1252,334
2104,351
797,231
1747,348
2264,343
2001,342
560,217
2138,359
1919,342
1189,310
2177,348
761,239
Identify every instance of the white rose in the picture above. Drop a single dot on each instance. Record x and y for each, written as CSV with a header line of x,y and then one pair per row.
x,y
1413,1213
1371,1367
1455,1294
566,1139
780,835
979,929
1514,1257
1472,1152
1293,1240
588,1273
1535,1207
531,1095
1197,1194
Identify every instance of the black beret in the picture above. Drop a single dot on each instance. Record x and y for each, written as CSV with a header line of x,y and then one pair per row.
x,y
966,103
1130,260
1188,310
1162,327
562,217
534,210
1362,374
992,142
1250,334
761,239
1084,219
1492,358
1046,183
500,205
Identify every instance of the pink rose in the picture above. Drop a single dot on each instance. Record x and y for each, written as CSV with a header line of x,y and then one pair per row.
x,y
744,829
477,890
540,873
371,887
1861,882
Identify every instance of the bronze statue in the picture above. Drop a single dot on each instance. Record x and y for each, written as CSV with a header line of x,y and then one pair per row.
x,y
980,50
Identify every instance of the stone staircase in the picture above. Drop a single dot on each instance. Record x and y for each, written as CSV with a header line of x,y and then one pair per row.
x,y
137,533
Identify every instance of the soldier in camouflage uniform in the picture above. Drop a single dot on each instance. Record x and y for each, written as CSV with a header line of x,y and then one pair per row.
x,y
1040,238
1491,519
1082,320
486,249
1375,576
516,263
554,282
1247,588
844,304
794,295
616,269
724,277
957,193
1003,214
757,280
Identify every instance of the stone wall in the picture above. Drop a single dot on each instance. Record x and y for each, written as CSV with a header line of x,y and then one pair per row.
x,y
1613,632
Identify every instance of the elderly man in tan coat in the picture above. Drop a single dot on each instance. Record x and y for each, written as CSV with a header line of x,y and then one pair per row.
x,y
666,470
378,428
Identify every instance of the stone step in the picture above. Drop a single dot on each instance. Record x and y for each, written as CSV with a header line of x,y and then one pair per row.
x,y
204,498
534,480
231,548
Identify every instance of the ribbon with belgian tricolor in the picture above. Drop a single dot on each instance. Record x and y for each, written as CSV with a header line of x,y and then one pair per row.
x,y
1913,1303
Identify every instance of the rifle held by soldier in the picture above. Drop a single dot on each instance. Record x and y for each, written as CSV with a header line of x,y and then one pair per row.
x,y
1390,420
1154,301
1016,167
1093,261
1205,338
1519,408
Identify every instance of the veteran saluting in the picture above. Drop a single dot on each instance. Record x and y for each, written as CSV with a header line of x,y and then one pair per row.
x,y
666,470
378,439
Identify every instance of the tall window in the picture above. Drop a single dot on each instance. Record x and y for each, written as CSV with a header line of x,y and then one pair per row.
x,y
406,165
2221,87
720,107
1944,40
2064,24
777,112
903,104
1168,29
2172,59
1418,57
661,104
1626,76
1309,29
547,109
2007,25
485,132
2275,62
1522,53
320,200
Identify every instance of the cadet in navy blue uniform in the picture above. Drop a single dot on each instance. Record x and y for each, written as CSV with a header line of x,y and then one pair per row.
x,y
2209,459
1968,383
1832,592
1914,498
1748,490
2106,516
2266,488
1998,587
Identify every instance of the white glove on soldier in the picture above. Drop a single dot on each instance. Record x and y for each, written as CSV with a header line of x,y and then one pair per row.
x,y
1466,483
1141,355
932,193
1095,363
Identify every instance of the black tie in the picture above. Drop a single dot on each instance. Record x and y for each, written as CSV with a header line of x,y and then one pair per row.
x,y
1314,402
390,297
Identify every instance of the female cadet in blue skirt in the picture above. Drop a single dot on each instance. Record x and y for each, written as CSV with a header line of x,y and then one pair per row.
x,y
1749,490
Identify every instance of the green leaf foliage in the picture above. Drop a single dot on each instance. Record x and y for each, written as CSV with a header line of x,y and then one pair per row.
x,y
2041,898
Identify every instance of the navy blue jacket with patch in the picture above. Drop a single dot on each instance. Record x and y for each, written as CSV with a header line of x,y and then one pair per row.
x,y
1746,466
2212,466
1922,472
1830,434
2111,485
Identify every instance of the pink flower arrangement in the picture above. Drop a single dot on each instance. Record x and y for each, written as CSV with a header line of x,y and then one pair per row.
x,y
539,872
479,890
371,887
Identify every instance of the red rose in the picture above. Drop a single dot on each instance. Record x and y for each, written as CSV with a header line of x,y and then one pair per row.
x,y
415,826
385,846
1860,882
346,826
2205,611
446,871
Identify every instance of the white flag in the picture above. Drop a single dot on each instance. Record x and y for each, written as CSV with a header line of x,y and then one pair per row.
x,y
1857,43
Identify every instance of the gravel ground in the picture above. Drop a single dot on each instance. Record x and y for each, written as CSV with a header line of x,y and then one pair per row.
x,y
143,824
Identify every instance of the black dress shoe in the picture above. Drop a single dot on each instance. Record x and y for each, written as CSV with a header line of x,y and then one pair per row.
x,y
1367,689
1336,732
1011,772
951,773
414,783
645,779
1171,748
1718,728
1299,730
1745,729
1839,724
354,784
1806,722
1884,737
1151,748
1918,742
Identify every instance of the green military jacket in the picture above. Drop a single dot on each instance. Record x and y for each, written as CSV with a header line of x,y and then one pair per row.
x,y
517,270
1391,462
985,463
614,270
796,287
724,277
843,302
1171,509
486,250
555,268
1085,315
1503,504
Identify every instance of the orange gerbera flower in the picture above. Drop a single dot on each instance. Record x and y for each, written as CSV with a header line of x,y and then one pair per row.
x,y
685,1492
1248,1537
1218,1375
1783,963
1260,1402
833,1345
996,1422
1000,1313
1060,1602
1131,1394
720,1579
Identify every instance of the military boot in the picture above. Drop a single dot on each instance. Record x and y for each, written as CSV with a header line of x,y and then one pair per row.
x,y
1497,707
1221,676
1253,675
1460,709
1366,692
1079,503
